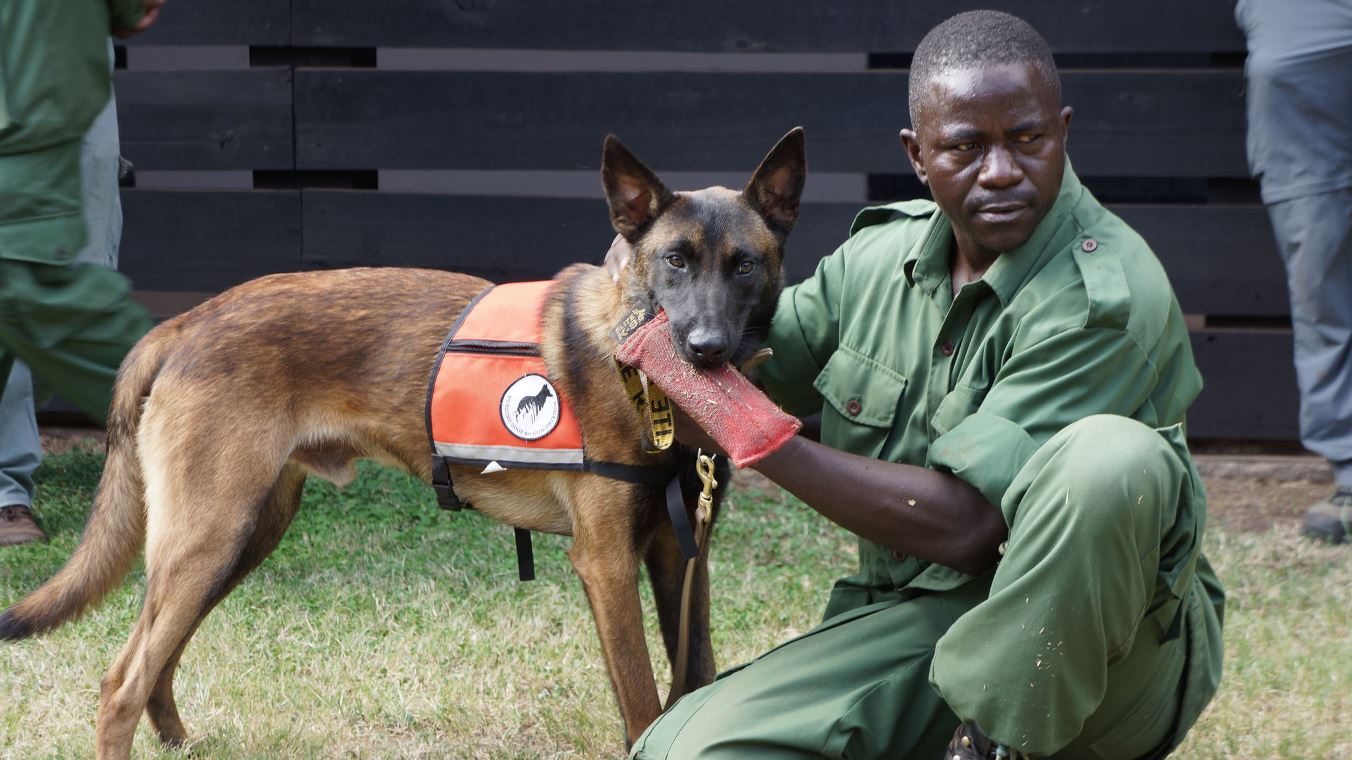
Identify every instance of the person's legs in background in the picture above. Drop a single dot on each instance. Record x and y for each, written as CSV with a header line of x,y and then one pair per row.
x,y
1314,235
20,454
20,446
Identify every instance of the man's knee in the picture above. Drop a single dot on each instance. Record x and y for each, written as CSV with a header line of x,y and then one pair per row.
x,y
1107,468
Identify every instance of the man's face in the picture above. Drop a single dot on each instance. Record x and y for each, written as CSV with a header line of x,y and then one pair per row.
x,y
991,147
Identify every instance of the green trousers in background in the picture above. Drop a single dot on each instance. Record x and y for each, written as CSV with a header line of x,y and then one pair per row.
x,y
71,324
1096,636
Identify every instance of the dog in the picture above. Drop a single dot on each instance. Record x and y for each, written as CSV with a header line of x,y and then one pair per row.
x,y
221,413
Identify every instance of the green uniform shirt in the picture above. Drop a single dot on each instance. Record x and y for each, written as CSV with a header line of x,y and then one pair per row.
x,y
53,82
1080,320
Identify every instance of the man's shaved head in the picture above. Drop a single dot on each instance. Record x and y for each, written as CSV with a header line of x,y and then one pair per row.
x,y
976,39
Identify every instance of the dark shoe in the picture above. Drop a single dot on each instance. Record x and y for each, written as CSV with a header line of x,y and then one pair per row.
x,y
970,744
17,526
1331,519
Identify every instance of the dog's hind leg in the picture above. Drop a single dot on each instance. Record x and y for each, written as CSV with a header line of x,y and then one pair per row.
x,y
200,518
605,558
282,504
179,588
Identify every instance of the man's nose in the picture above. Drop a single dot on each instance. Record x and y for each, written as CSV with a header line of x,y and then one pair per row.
x,y
999,169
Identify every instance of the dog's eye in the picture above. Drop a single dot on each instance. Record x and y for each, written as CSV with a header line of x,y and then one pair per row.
x,y
676,260
746,267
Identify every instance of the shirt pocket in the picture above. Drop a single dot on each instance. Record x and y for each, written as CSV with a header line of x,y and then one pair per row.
x,y
861,396
961,403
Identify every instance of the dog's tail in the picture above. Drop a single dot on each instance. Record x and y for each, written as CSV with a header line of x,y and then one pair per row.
x,y
116,528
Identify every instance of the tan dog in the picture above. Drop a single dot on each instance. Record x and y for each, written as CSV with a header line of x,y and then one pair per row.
x,y
221,413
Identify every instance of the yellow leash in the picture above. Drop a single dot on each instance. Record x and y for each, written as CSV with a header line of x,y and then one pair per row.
x,y
704,511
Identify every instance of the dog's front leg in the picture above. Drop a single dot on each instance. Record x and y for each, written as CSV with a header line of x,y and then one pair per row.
x,y
667,570
604,556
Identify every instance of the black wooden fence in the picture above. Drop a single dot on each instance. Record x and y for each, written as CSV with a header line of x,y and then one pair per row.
x,y
465,134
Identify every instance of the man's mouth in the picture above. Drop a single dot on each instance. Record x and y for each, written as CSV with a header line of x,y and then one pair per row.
x,y
1001,213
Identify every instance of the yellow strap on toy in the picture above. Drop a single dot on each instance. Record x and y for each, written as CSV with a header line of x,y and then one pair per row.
x,y
652,406
649,401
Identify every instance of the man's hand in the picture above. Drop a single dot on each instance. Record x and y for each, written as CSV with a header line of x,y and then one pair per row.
x,y
150,12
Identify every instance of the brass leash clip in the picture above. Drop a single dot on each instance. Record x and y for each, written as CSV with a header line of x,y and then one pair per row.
x,y
704,466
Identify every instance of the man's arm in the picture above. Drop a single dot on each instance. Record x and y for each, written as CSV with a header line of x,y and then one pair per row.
x,y
932,515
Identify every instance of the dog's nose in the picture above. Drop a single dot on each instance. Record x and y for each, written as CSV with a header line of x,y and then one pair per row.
x,y
708,348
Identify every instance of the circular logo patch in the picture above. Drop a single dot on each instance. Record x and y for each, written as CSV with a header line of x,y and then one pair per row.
x,y
530,408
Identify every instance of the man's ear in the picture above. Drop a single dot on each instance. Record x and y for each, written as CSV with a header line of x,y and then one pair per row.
x,y
777,184
911,144
636,196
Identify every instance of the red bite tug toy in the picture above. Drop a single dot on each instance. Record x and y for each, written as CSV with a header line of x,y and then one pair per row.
x,y
735,413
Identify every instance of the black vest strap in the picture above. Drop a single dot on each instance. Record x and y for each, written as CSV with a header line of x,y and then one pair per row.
x,y
441,483
525,555
640,474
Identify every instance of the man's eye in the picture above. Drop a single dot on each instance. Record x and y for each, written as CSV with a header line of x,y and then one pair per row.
x,y
676,260
746,267
965,147
1028,137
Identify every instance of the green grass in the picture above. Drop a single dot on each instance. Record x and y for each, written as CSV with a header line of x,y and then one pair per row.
x,y
384,627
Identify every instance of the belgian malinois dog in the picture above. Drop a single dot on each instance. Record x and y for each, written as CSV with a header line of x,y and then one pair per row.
x,y
221,413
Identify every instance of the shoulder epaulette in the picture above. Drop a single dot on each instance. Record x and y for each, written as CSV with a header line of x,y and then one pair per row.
x,y
873,215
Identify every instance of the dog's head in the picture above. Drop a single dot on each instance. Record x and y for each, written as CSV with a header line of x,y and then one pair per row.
x,y
713,258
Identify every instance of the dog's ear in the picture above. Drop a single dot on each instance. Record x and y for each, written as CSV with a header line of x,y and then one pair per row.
x,y
777,185
636,196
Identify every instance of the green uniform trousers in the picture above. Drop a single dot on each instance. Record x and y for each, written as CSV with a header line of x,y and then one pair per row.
x,y
1071,647
71,324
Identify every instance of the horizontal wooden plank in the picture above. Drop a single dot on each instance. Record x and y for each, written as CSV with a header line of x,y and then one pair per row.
x,y
1250,386
206,119
1084,26
1184,123
208,22
1220,259
208,241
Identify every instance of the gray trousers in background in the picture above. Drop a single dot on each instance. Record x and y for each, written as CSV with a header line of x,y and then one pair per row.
x,y
20,449
1314,234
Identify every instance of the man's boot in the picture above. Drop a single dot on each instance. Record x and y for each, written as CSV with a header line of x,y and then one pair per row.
x,y
969,743
1331,519
17,526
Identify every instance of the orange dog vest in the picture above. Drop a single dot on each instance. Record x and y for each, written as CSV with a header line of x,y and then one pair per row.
x,y
491,402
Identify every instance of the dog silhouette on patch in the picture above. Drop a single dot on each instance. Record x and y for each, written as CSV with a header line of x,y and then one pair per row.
x,y
534,404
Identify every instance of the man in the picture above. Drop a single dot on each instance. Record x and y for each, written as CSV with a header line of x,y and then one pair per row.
x,y
1002,374
1299,74
68,321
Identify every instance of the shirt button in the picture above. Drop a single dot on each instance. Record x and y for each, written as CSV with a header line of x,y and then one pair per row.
x,y
853,407
1089,245
898,556
947,348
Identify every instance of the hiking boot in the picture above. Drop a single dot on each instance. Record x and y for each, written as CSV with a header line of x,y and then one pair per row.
x,y
17,526
970,744
1331,519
